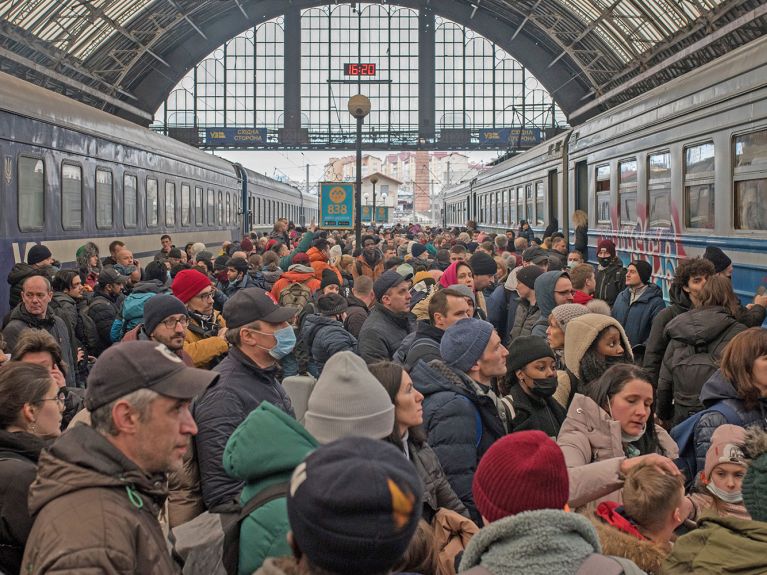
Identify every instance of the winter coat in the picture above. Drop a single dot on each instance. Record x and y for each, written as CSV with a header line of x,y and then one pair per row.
x,y
534,412
103,309
544,299
88,275
202,343
241,387
720,545
637,317
291,277
613,530
20,320
437,492
460,423
319,262
753,317
245,282
19,453
541,542
717,389
21,271
557,261
325,336
422,344
382,333
657,341
591,442
263,451
452,533
356,314
302,247
271,274
138,333
525,318
132,312
95,511
697,339
704,503
610,281
69,310
528,234
361,266
501,309
582,241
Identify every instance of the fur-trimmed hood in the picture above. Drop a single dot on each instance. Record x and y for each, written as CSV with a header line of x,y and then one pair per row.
x,y
83,255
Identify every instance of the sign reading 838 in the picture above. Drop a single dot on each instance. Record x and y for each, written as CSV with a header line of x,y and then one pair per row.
x,y
337,209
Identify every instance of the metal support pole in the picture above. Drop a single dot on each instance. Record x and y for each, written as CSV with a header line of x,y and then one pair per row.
x,y
373,217
358,187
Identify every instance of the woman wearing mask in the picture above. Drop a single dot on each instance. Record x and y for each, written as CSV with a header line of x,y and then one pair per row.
x,y
457,273
611,275
411,439
530,385
609,431
30,414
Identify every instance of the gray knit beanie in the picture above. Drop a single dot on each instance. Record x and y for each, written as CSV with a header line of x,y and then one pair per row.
x,y
464,342
348,400
567,311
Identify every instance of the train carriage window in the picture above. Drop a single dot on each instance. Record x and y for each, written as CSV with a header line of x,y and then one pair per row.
x,y
170,204
521,204
659,188
130,200
750,151
603,195
104,199
186,205
71,196
530,204
199,207
211,207
31,192
220,209
152,202
228,209
699,186
512,207
539,204
504,212
627,192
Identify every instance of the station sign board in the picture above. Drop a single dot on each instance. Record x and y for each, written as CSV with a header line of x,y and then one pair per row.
x,y
235,136
382,214
518,137
336,205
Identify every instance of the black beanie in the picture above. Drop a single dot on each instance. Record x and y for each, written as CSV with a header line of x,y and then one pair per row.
x,y
526,349
644,269
329,277
528,274
38,253
717,257
482,264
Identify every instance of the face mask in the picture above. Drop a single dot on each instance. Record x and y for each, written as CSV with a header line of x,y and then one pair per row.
x,y
604,262
286,341
725,496
572,264
611,360
545,386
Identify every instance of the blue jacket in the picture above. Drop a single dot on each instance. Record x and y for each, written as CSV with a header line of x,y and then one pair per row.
x,y
133,307
545,285
501,309
325,336
636,318
460,424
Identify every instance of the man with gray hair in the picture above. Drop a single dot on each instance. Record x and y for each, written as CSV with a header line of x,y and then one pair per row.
x,y
99,489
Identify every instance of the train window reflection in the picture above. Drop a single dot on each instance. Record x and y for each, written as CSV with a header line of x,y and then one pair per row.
x,y
31,194
104,199
627,192
170,204
71,197
539,203
699,206
603,194
199,215
751,150
130,190
751,205
186,205
659,186
151,202
699,159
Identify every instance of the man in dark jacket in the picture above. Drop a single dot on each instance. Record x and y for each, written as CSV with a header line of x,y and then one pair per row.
x,y
461,413
389,321
446,307
689,278
259,335
39,262
637,306
324,333
751,315
611,275
238,276
551,289
527,312
33,312
165,321
106,305
360,299
100,488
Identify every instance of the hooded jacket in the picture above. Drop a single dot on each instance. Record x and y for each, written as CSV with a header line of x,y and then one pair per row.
x,y
294,276
319,262
501,309
591,442
637,317
545,285
382,333
526,316
657,341
205,347
19,453
610,281
697,339
263,451
103,309
426,338
717,389
373,270
132,312
356,314
720,545
95,511
20,319
88,275
461,424
325,336
21,271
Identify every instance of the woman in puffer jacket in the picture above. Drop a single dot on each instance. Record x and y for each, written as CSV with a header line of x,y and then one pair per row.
x,y
411,439
609,431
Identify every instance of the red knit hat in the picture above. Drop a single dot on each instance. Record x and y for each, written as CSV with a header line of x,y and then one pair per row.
x,y
608,245
246,245
523,471
188,283
301,258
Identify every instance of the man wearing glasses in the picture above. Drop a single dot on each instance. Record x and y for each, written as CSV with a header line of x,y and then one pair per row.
x,y
204,336
165,321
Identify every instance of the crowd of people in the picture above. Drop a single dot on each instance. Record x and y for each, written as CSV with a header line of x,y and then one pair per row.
x,y
431,401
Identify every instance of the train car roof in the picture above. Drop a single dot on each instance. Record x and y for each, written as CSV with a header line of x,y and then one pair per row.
x,y
20,97
258,178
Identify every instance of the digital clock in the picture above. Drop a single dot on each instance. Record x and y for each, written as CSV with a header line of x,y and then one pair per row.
x,y
359,69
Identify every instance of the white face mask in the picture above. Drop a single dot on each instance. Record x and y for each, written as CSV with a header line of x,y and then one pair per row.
x,y
726,496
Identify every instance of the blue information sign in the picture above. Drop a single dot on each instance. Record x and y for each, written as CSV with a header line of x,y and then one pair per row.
x,y
235,136
336,205
382,214
522,137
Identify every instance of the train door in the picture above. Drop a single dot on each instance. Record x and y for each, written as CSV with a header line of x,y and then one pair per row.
x,y
582,186
553,211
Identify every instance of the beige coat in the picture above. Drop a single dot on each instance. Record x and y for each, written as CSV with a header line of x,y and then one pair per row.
x,y
591,442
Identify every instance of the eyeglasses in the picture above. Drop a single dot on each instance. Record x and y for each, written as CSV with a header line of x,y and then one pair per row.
x,y
171,322
206,295
61,398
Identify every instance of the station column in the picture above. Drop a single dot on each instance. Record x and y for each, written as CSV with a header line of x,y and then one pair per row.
x,y
426,60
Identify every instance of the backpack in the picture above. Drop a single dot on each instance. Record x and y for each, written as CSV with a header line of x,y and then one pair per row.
x,y
209,544
295,295
92,338
684,435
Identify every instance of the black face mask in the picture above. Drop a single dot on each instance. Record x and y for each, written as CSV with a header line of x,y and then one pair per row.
x,y
615,360
545,386
604,262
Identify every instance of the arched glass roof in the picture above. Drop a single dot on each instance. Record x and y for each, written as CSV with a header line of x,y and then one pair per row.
x,y
135,51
